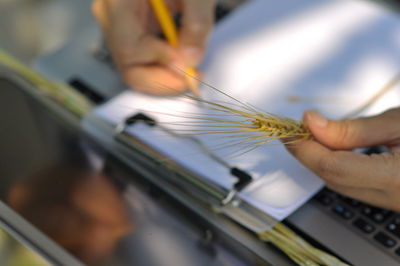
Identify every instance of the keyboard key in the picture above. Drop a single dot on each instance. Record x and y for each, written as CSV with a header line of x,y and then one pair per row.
x,y
396,220
347,214
377,215
343,211
385,240
364,226
367,210
339,209
394,227
324,199
352,202
349,201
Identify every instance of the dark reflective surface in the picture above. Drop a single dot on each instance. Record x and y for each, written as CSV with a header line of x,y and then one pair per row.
x,y
81,210
88,202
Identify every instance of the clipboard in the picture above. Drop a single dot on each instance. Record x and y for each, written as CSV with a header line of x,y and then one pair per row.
x,y
178,180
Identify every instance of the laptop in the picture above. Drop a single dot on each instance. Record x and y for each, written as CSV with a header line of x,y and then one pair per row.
x,y
355,232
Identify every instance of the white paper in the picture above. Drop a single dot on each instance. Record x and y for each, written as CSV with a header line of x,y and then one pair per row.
x,y
330,54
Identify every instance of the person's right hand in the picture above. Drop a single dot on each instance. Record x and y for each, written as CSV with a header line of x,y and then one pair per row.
x,y
375,178
146,62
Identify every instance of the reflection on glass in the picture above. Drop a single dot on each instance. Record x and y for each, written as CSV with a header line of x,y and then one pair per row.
x,y
80,210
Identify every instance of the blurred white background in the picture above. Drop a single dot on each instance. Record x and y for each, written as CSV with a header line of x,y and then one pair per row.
x,y
30,28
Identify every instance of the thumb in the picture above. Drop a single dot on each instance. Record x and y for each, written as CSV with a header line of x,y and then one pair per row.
x,y
197,21
349,134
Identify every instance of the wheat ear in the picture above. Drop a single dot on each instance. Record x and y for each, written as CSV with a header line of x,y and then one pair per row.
x,y
250,126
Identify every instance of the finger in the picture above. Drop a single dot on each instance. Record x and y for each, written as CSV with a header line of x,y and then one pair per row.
x,y
145,50
346,168
155,80
130,43
371,196
350,134
100,13
197,21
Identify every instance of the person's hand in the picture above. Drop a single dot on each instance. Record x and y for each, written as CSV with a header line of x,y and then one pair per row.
x,y
146,62
374,178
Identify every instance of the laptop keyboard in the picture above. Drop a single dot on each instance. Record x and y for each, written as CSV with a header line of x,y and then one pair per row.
x,y
380,226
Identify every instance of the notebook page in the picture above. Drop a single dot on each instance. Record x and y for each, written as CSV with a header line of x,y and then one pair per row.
x,y
282,57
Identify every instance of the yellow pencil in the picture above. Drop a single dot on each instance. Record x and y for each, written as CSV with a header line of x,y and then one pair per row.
x,y
169,28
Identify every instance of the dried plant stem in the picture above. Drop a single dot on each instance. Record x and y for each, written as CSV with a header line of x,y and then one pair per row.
x,y
296,248
387,87
60,92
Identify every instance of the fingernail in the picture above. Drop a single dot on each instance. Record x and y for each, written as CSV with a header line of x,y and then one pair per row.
x,y
317,119
192,55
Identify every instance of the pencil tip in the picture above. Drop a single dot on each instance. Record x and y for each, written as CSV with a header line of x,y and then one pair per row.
x,y
192,82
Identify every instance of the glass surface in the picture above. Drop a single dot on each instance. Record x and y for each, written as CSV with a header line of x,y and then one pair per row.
x,y
89,203
15,253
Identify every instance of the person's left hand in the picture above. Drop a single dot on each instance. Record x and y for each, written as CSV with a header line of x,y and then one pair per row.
x,y
146,62
374,178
